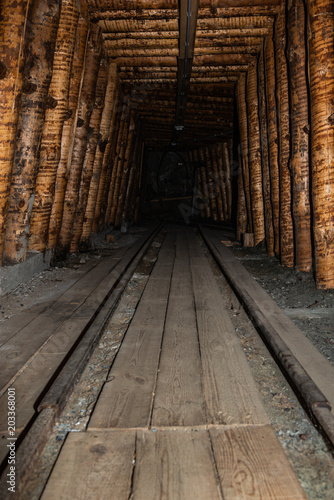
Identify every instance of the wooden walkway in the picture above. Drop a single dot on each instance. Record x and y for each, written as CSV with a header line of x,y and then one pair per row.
x,y
180,416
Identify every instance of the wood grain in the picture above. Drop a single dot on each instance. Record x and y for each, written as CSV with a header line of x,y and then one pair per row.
x,y
252,465
229,388
174,465
314,363
179,393
93,466
126,397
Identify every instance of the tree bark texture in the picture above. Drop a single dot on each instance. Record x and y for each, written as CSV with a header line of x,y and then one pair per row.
x,y
85,108
227,164
129,151
254,155
270,89
212,187
114,163
268,217
205,187
215,169
299,130
120,159
243,130
12,38
53,126
241,206
68,131
222,177
103,150
100,213
282,97
321,71
94,136
134,167
41,35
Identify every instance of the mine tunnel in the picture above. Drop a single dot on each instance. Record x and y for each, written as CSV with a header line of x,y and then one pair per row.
x,y
167,249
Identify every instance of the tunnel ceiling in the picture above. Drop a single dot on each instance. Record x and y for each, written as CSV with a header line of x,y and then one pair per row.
x,y
178,62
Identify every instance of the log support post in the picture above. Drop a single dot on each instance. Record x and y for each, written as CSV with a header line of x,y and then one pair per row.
x,y
271,109
268,214
254,156
55,116
321,71
12,36
41,36
282,98
85,109
68,131
299,128
243,130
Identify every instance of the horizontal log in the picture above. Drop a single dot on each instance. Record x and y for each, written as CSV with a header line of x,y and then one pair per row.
x,y
98,5
210,23
174,51
205,60
157,43
200,33
144,14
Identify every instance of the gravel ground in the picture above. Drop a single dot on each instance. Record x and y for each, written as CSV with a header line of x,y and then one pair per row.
x,y
312,310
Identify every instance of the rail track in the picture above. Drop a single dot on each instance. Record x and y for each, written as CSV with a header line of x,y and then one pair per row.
x,y
178,386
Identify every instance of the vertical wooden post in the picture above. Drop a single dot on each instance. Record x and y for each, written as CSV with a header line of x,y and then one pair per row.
x,y
243,129
126,216
204,183
128,155
241,206
85,108
321,71
68,130
269,230
102,152
88,164
270,80
41,39
199,201
222,177
115,165
12,37
212,187
53,126
254,155
100,216
299,127
220,211
282,97
226,157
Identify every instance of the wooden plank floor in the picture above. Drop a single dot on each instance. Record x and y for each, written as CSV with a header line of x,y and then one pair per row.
x,y
179,416
36,342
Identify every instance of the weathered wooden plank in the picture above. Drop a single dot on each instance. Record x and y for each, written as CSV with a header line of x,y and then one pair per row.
x,y
252,465
61,325
179,395
229,388
269,314
93,465
29,384
176,465
126,397
14,324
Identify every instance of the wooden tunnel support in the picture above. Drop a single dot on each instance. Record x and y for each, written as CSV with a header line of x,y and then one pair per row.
x,y
321,71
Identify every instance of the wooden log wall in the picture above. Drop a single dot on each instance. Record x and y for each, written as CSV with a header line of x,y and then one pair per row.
x,y
59,129
211,167
294,174
86,86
